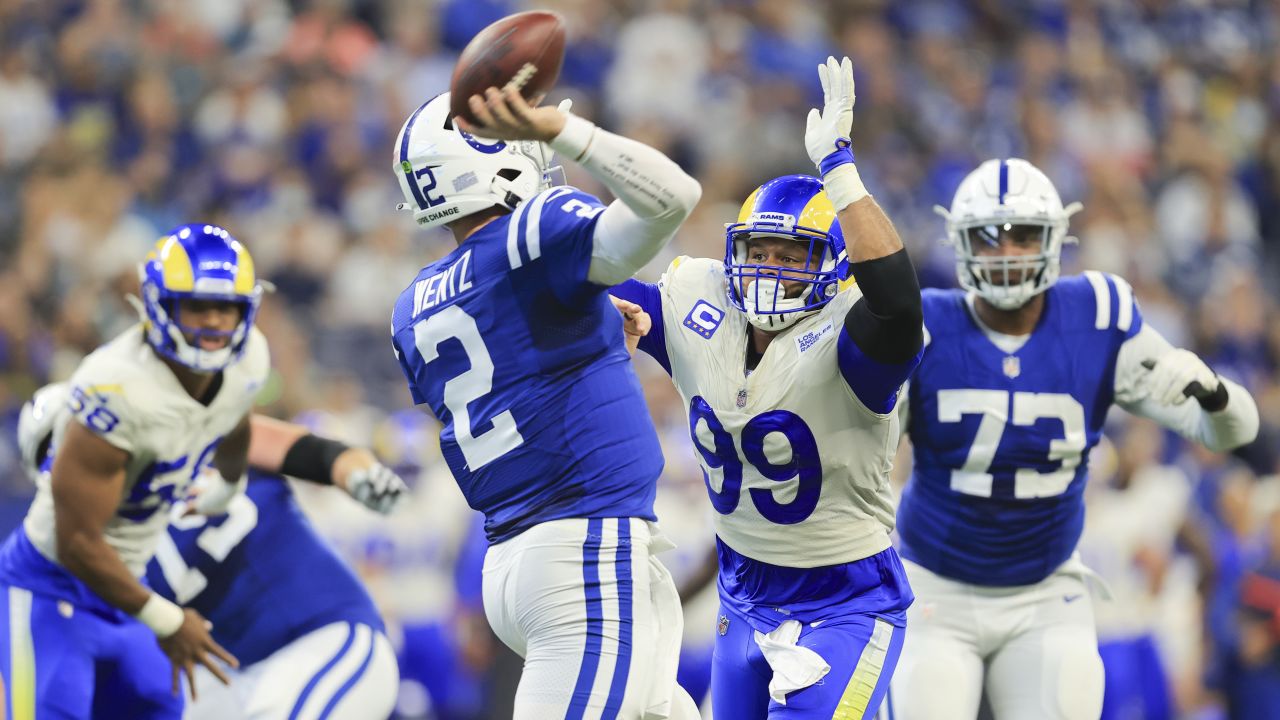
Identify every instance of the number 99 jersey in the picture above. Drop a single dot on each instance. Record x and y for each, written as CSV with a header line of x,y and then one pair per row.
x,y
796,466
523,361
1001,438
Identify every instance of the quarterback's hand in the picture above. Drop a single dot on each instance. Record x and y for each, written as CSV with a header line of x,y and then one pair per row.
x,y
505,115
193,644
636,323
826,134
376,486
1178,375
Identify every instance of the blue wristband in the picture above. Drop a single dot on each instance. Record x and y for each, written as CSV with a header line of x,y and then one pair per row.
x,y
842,155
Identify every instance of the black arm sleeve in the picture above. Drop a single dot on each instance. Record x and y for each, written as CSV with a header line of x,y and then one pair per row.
x,y
311,458
886,323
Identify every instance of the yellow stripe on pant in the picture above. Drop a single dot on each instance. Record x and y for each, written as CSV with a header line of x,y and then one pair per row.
x,y
857,694
22,660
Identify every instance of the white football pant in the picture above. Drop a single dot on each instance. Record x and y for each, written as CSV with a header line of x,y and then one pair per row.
x,y
342,671
595,616
1037,644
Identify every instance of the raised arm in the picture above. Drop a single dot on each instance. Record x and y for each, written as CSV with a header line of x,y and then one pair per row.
x,y
654,196
885,325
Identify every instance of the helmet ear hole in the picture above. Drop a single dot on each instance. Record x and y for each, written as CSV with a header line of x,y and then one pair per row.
x,y
508,174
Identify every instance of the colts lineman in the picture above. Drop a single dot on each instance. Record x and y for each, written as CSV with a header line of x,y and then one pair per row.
x,y
512,342
152,409
791,408
1016,380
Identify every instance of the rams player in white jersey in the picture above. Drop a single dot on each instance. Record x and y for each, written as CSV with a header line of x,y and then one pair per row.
x,y
152,408
1019,371
790,387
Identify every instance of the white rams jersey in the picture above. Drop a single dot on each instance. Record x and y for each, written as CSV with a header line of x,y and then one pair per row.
x,y
126,395
797,467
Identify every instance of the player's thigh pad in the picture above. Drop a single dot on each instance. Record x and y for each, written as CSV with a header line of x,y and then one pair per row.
x,y
134,678
939,676
341,670
1051,668
48,654
595,616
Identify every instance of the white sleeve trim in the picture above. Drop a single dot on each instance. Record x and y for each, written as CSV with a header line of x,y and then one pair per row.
x,y
1102,320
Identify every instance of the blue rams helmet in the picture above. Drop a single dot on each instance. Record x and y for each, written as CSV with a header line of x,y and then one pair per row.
x,y
197,262
792,207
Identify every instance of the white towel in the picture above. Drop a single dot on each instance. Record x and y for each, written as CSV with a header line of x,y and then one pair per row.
x,y
794,667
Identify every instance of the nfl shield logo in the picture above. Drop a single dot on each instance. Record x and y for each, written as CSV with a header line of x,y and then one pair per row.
x,y
723,626
742,398
1012,366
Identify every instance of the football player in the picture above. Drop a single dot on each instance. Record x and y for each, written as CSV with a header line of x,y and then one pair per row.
x,y
790,387
1019,371
512,343
307,635
152,409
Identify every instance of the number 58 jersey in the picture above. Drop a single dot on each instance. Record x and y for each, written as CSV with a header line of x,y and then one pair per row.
x,y
796,466
522,359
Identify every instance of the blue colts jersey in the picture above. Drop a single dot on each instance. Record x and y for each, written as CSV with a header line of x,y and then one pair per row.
x,y
259,573
1002,439
522,359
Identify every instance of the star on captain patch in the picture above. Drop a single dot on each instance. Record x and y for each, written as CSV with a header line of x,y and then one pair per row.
x,y
1012,366
742,398
723,626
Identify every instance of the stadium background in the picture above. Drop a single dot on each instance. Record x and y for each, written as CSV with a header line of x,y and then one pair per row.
x,y
275,118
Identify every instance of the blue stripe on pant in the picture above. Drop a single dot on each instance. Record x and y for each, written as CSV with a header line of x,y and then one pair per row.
x,y
596,620
315,679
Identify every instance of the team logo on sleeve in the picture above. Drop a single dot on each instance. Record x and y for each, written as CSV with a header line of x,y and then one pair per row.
x,y
704,319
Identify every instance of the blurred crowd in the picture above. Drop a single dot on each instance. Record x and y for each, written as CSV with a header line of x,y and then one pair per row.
x,y
276,118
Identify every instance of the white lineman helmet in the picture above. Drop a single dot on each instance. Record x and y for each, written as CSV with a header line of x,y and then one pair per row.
x,y
36,423
1002,195
446,173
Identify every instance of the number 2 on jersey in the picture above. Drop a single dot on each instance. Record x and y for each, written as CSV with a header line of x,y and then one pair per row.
x,y
975,478
805,465
460,391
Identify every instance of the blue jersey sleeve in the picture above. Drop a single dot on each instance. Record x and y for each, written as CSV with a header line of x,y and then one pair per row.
x,y
648,297
557,226
875,383
418,399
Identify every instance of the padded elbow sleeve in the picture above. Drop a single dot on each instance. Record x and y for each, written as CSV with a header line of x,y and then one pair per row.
x,y
887,322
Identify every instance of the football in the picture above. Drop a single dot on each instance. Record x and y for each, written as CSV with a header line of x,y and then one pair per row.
x,y
525,49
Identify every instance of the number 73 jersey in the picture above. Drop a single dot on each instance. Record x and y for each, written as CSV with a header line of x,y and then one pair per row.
x,y
1001,439
795,465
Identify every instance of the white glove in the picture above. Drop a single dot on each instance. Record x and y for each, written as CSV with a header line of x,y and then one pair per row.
x,y
826,135
211,494
377,487
1170,379
834,122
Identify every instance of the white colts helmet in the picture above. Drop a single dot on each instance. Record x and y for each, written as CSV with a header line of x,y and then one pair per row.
x,y
447,174
998,196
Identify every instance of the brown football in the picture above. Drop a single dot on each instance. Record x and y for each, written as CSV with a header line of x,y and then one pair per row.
x,y
526,49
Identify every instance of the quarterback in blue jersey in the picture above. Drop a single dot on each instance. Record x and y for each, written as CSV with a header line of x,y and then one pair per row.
x,y
1019,370
512,342
790,394
149,412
